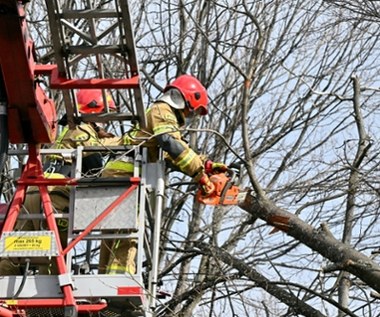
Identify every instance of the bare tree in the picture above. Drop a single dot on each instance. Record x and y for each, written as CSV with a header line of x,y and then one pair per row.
x,y
284,105
283,79
363,10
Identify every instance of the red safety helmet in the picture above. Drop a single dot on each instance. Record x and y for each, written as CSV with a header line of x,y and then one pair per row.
x,y
192,91
91,101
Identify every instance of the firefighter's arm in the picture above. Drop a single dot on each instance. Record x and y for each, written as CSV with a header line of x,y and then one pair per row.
x,y
180,154
168,136
83,135
189,163
111,141
86,135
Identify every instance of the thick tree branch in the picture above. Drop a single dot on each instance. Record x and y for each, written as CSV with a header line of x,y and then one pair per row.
x,y
295,304
351,260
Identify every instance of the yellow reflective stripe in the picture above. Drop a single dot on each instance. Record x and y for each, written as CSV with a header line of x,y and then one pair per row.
x,y
170,117
186,160
62,224
127,139
120,269
134,133
82,137
58,145
53,175
61,136
164,128
53,157
120,165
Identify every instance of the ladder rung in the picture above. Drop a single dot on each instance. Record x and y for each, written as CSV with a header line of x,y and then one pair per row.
x,y
88,14
106,117
96,49
104,181
94,83
110,236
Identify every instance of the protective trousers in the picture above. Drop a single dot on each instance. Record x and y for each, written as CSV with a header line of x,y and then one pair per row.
x,y
32,205
117,256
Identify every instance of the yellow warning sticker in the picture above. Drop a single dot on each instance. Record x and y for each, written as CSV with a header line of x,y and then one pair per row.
x,y
11,302
37,243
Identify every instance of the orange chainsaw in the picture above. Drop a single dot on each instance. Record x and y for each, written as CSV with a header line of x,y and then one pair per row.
x,y
226,190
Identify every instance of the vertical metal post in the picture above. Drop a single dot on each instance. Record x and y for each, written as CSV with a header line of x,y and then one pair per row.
x,y
141,164
3,138
76,168
160,191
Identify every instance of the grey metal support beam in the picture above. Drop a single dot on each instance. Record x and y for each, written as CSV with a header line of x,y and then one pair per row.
x,y
89,36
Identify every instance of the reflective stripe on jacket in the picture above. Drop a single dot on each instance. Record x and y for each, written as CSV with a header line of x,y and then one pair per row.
x,y
162,119
126,167
82,135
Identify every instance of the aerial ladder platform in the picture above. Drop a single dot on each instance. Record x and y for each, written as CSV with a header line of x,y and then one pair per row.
x,y
85,37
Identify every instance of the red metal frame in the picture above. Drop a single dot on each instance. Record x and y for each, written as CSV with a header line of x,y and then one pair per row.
x,y
130,290
58,81
32,175
135,181
31,114
32,119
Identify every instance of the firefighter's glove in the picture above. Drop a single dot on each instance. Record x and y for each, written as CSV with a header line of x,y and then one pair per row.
x,y
206,185
214,167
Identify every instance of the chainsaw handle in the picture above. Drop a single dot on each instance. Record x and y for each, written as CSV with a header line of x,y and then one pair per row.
x,y
235,166
231,174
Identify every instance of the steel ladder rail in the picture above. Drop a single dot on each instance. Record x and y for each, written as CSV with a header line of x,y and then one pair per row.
x,y
115,43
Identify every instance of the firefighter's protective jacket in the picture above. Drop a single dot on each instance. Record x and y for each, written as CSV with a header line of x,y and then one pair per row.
x,y
82,135
163,130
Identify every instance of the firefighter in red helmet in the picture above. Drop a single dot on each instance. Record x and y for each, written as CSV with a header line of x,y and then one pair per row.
x,y
91,101
194,95
56,166
182,98
85,134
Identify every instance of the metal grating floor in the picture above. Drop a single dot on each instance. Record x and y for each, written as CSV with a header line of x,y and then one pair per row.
x,y
45,312
59,312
